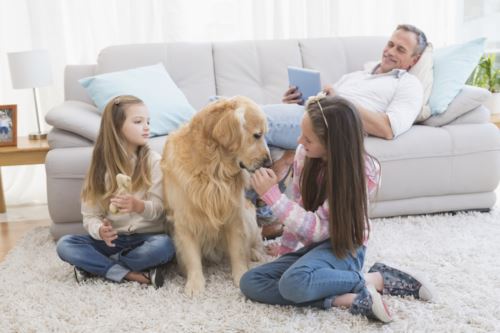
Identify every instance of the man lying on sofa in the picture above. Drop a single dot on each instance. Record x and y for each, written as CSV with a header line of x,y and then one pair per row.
x,y
388,98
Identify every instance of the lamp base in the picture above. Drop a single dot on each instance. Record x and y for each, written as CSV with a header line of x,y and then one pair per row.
x,y
37,136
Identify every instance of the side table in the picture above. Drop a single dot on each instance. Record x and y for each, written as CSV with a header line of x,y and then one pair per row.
x,y
26,152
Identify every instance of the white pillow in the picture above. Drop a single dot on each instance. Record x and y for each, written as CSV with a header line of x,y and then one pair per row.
x,y
468,99
76,117
423,70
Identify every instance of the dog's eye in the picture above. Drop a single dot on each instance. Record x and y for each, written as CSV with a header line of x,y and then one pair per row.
x,y
257,136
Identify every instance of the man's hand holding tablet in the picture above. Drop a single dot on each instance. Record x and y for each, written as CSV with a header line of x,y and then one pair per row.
x,y
303,84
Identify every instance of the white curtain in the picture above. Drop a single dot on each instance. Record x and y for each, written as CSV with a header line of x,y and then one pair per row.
x,y
74,31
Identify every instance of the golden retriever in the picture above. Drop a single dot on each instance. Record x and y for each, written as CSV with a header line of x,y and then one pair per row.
x,y
206,165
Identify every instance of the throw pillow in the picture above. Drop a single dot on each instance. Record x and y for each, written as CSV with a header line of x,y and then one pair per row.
x,y
167,105
76,117
452,66
468,99
424,73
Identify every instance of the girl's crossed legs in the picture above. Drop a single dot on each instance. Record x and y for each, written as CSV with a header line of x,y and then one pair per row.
x,y
131,254
311,276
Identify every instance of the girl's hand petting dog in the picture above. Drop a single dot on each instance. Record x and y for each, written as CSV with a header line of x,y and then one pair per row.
x,y
273,249
127,203
107,233
262,180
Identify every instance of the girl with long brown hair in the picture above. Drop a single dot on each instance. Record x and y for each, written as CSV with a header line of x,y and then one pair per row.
x,y
326,222
129,244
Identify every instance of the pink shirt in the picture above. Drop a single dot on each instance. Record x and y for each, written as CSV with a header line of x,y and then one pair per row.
x,y
304,227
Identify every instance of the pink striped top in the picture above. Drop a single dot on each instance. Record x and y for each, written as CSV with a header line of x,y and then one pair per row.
x,y
305,227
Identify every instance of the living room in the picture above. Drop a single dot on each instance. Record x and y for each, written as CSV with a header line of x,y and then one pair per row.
x,y
436,208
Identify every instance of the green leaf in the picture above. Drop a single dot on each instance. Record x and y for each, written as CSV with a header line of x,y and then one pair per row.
x,y
485,75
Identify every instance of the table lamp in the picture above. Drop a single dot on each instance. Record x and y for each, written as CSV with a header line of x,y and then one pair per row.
x,y
31,69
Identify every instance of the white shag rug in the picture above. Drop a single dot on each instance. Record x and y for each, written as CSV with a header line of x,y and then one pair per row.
x,y
460,254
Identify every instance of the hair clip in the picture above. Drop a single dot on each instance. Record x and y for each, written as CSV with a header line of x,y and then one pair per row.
x,y
317,99
117,101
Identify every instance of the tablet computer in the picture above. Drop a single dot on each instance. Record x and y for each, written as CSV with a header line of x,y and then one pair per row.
x,y
307,81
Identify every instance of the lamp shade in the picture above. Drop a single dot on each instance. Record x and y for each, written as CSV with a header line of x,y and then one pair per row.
x,y
30,69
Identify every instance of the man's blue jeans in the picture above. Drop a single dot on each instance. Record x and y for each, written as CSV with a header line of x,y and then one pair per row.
x,y
136,253
310,276
284,124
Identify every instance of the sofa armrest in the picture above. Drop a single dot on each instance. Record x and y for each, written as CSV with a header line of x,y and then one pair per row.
x,y
76,117
479,115
59,138
469,98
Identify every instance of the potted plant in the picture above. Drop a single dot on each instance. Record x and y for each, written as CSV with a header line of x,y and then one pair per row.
x,y
487,76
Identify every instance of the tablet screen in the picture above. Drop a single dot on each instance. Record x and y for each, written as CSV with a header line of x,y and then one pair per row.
x,y
306,80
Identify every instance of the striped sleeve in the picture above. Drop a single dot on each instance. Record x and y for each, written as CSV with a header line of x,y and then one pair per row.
x,y
373,177
301,226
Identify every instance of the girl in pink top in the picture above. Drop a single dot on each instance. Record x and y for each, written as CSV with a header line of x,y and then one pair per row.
x,y
326,225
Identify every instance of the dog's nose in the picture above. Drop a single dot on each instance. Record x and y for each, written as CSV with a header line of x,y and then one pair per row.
x,y
266,163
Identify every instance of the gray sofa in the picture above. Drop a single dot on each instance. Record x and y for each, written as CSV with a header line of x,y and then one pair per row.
x,y
449,163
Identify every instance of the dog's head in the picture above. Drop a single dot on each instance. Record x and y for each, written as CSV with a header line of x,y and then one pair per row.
x,y
238,125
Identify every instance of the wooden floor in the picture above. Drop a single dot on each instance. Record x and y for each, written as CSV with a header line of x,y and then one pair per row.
x,y
12,229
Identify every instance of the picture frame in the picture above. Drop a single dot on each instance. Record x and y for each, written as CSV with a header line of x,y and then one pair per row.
x,y
8,125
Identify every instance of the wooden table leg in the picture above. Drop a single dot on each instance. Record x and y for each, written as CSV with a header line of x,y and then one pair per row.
x,y
2,199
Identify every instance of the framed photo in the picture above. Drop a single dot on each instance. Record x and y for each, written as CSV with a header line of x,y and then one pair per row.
x,y
8,125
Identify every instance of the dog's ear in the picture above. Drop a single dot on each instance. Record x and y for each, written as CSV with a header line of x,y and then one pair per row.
x,y
229,127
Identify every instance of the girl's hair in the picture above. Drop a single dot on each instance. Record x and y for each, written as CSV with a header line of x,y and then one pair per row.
x,y
110,156
341,178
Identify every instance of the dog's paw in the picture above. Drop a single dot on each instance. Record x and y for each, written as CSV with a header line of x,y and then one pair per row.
x,y
194,287
237,274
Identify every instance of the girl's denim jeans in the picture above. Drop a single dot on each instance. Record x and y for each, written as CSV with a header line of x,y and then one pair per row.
x,y
311,276
136,252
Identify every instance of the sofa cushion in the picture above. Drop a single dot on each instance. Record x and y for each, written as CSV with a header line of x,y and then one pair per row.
x,y
157,143
256,69
59,138
452,67
77,117
431,162
423,70
318,53
479,115
168,107
469,98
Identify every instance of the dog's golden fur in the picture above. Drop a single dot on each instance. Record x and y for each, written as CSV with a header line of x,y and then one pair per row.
x,y
205,165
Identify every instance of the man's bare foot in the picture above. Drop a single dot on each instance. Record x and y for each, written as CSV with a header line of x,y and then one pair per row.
x,y
283,165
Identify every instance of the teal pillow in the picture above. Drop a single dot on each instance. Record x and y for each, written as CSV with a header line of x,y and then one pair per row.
x,y
167,105
452,66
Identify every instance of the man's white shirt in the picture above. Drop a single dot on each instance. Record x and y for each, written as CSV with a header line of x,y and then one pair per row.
x,y
397,93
